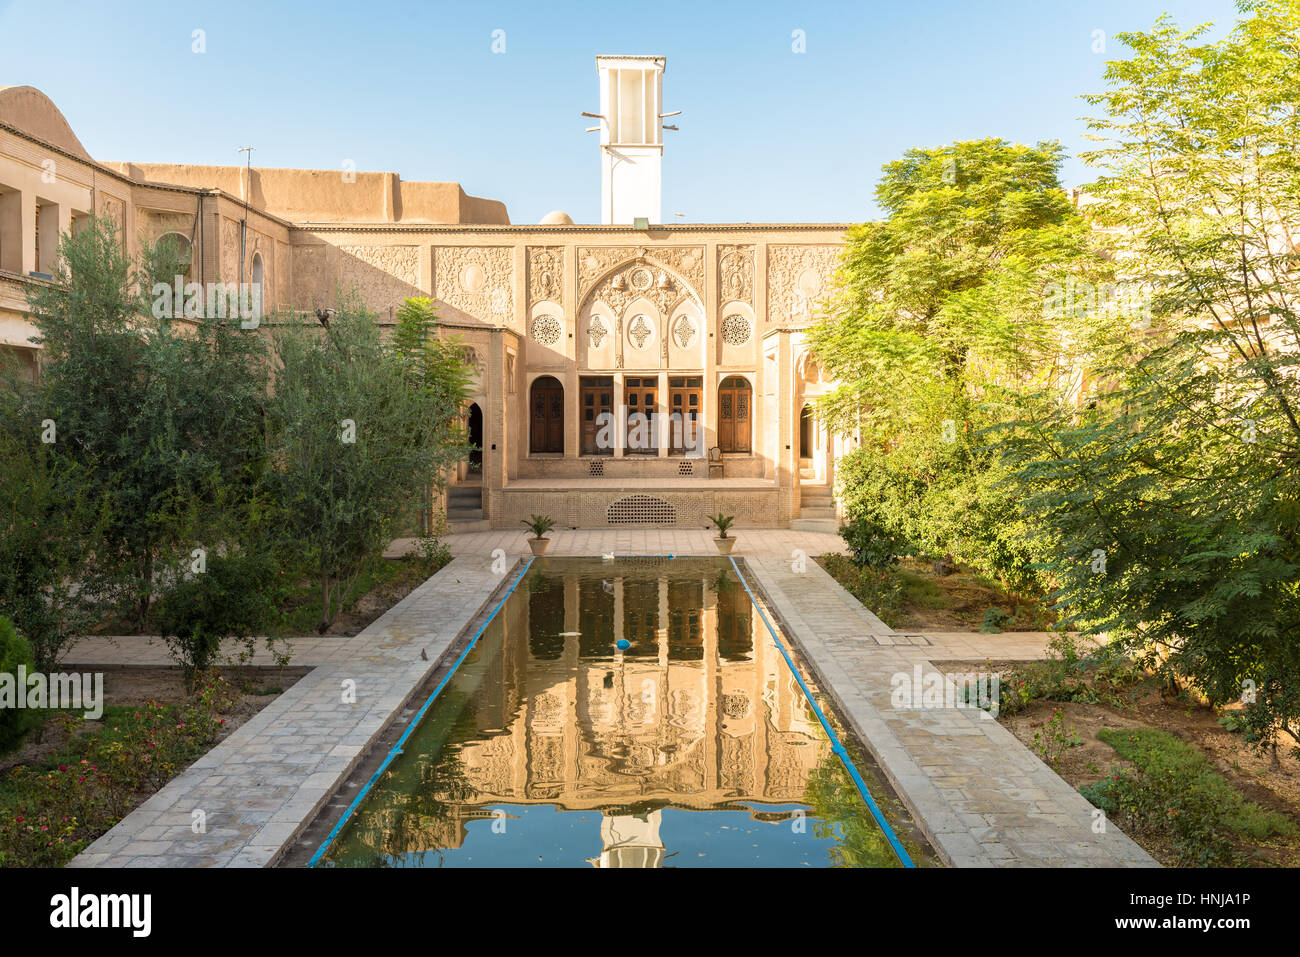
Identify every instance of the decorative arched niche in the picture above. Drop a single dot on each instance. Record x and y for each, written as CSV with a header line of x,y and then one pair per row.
x,y
737,335
642,334
547,334
179,255
632,302
686,336
599,329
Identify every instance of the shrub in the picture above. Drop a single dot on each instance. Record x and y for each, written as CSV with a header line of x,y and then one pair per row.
x,y
1173,791
994,619
1052,737
879,590
228,600
870,543
49,814
1061,677
14,651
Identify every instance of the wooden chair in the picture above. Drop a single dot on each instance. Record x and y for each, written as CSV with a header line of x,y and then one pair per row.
x,y
715,462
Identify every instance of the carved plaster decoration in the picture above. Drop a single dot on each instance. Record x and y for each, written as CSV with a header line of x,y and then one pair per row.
x,y
546,330
684,331
640,330
736,330
597,331
736,273
647,272
475,279
382,275
474,360
545,274
798,278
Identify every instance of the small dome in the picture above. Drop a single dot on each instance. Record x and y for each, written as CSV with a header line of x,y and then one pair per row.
x,y
556,217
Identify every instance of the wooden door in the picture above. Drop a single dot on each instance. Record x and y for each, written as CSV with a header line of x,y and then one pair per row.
x,y
547,415
734,414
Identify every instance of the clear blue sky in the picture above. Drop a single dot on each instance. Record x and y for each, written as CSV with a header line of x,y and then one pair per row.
x,y
766,135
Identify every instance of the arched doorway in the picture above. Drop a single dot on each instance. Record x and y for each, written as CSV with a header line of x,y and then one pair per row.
x,y
546,417
735,406
807,432
474,426
178,255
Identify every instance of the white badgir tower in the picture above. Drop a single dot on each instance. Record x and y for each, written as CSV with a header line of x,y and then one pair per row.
x,y
631,138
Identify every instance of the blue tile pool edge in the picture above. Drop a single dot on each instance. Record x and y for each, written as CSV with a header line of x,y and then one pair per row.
x,y
397,748
837,746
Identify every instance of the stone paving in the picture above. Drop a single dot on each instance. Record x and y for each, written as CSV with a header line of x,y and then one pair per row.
x,y
264,783
980,796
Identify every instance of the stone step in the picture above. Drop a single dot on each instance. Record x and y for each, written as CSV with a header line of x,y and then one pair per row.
x,y
465,493
815,525
464,514
817,512
460,527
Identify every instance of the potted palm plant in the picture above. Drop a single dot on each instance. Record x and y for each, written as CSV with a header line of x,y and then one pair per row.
x,y
723,541
539,525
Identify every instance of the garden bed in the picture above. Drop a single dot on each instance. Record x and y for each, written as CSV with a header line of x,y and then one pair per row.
x,y
380,586
72,779
377,589
1142,717
912,596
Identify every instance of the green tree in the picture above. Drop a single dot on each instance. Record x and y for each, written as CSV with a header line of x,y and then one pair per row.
x,y
157,414
941,314
358,429
15,652
49,529
1170,499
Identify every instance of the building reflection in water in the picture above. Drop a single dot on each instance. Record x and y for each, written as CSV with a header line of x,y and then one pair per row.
x,y
700,713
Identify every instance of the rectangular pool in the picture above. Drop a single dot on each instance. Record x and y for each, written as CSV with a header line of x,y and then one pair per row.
x,y
626,713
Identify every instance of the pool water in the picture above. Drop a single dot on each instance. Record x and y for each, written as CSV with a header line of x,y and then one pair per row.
x,y
551,746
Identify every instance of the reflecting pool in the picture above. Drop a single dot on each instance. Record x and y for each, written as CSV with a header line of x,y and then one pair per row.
x,y
551,745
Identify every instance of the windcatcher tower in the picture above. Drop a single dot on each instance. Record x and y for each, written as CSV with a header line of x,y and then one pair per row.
x,y
631,138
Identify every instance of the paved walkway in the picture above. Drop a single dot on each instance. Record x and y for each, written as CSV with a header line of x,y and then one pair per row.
x,y
264,783
979,795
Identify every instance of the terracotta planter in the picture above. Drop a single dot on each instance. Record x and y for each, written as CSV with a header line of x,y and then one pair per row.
x,y
538,545
725,545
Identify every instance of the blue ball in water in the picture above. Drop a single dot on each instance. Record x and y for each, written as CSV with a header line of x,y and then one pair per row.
x,y
624,644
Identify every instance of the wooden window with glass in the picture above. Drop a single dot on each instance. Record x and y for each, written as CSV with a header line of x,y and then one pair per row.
x,y
685,433
641,396
596,405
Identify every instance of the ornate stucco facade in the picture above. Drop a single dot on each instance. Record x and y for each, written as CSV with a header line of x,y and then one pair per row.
x,y
568,326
